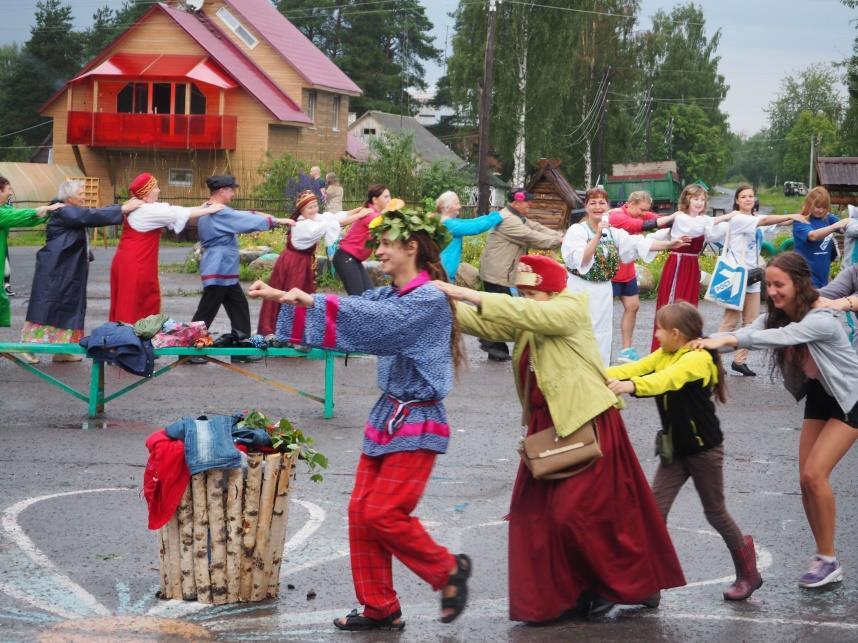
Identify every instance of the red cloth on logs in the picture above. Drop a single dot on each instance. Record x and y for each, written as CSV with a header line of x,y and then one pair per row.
x,y
598,532
165,478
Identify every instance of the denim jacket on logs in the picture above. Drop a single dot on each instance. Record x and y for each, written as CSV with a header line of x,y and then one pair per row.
x,y
208,441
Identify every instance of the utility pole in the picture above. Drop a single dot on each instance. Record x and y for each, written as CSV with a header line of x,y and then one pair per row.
x,y
484,176
812,154
600,130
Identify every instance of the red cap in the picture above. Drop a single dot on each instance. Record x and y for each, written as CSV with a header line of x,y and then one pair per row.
x,y
143,185
540,273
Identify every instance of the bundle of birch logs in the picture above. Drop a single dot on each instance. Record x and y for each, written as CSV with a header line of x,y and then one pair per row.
x,y
225,542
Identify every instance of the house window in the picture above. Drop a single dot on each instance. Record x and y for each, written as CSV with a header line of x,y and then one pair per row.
x,y
369,131
161,98
237,28
335,113
311,106
133,99
181,177
198,101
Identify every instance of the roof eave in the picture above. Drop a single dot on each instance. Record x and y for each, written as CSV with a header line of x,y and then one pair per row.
x,y
98,58
337,90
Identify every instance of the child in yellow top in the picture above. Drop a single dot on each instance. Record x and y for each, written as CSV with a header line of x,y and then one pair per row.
x,y
690,443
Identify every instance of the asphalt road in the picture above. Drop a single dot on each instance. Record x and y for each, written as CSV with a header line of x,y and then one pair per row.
x,y
76,557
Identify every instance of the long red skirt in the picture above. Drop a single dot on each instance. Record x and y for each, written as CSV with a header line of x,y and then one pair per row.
x,y
680,279
598,532
293,269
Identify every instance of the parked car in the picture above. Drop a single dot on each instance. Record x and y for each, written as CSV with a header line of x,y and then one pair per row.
x,y
794,188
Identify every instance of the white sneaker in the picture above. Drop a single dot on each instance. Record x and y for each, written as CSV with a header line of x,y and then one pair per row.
x,y
29,358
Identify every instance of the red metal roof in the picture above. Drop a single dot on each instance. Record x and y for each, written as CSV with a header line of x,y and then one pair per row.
x,y
356,148
160,66
238,65
313,65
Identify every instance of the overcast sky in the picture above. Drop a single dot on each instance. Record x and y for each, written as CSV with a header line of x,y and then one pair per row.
x,y
761,42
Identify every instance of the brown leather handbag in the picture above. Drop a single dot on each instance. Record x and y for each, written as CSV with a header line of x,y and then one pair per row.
x,y
550,457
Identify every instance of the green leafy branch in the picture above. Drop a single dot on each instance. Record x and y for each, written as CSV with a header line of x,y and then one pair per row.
x,y
287,438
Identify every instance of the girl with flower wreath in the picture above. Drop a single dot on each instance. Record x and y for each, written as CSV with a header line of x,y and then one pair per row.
x,y
593,251
412,327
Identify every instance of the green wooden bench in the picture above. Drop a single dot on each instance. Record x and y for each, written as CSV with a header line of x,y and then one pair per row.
x,y
96,398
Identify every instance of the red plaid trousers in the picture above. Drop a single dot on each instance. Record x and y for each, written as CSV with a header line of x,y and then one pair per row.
x,y
387,489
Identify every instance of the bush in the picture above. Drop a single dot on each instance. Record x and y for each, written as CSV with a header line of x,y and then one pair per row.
x,y
392,162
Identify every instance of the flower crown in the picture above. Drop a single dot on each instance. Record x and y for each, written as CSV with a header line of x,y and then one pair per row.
x,y
401,224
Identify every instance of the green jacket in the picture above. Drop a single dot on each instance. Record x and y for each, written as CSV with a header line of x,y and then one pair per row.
x,y
565,355
12,218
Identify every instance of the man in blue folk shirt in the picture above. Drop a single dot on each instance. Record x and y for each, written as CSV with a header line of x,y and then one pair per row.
x,y
814,240
220,262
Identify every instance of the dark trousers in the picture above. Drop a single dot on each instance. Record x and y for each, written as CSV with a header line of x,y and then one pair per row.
x,y
485,344
706,469
233,300
352,273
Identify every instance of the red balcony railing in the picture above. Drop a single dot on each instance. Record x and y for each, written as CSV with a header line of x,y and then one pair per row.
x,y
169,131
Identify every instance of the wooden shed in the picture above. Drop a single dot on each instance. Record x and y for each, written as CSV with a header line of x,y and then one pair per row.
x,y
839,175
554,197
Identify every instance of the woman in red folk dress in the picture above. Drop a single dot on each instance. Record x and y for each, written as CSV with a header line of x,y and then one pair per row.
x,y
296,265
680,277
577,545
135,291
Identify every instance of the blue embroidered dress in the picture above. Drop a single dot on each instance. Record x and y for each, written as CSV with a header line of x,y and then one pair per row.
x,y
409,330
218,236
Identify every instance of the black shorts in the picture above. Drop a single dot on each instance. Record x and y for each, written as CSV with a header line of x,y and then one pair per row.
x,y
819,405
625,288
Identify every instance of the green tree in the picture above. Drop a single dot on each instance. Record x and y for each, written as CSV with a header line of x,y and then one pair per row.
x,y
103,30
698,145
813,89
796,159
681,64
47,60
382,49
849,127
549,66
753,158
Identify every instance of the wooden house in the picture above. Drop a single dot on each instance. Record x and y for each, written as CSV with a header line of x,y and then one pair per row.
x,y
185,94
554,197
839,175
428,148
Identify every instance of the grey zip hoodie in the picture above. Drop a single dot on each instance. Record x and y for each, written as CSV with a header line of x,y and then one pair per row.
x,y
822,331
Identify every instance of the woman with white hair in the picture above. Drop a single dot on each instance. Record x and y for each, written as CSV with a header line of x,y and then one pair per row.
x,y
447,206
57,307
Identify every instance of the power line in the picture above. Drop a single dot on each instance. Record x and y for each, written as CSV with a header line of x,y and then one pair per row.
x,y
26,129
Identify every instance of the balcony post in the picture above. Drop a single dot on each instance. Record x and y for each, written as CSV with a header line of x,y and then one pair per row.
x,y
220,120
94,108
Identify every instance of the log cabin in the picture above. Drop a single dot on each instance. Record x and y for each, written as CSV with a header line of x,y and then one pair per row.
x,y
185,94
554,197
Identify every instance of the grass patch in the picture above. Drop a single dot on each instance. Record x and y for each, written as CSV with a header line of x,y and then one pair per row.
x,y
774,198
274,239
